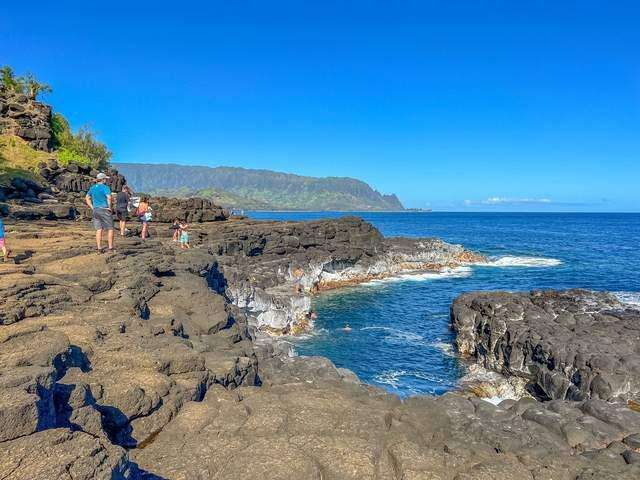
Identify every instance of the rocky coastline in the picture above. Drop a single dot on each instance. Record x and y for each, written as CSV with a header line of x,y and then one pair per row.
x,y
258,260
156,363
151,363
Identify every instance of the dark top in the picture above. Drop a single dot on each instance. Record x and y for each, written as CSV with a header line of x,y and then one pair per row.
x,y
122,200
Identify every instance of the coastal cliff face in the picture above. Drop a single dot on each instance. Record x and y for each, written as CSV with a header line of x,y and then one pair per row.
x,y
139,365
571,345
260,262
26,118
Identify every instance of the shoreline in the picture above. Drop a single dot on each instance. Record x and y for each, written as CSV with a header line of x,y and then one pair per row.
x,y
198,387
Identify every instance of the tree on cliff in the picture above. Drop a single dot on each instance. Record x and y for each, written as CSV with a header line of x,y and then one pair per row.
x,y
28,84
81,147
9,80
33,87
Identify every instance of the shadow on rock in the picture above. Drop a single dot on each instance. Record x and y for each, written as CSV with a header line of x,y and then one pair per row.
x,y
141,474
21,257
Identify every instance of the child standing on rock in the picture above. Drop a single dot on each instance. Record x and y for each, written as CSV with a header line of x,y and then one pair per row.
x,y
184,235
3,245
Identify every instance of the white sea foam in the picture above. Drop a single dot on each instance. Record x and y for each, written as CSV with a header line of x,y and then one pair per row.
x,y
494,400
629,298
390,378
393,378
446,348
514,261
456,272
307,335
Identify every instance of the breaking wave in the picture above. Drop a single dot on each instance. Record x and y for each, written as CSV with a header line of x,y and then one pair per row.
x,y
446,348
513,261
456,272
629,298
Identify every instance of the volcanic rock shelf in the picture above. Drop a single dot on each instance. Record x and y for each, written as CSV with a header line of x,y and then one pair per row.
x,y
144,364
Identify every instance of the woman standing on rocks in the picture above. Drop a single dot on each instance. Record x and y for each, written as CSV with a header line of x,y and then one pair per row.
x,y
122,208
144,214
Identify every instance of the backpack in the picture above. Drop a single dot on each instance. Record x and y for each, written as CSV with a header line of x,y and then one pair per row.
x,y
148,215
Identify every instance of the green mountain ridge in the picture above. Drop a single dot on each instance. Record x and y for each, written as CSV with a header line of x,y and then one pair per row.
x,y
257,189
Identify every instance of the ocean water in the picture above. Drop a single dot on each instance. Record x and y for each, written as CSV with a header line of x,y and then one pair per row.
x,y
399,336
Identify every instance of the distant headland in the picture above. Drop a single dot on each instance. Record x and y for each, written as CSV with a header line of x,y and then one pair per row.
x,y
258,189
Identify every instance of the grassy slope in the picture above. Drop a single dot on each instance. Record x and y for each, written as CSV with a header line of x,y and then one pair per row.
x,y
18,159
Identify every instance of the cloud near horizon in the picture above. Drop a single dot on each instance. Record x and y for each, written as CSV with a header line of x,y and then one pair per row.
x,y
509,201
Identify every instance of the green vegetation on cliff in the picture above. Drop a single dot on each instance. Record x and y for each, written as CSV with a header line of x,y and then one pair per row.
x,y
30,132
81,147
27,84
258,189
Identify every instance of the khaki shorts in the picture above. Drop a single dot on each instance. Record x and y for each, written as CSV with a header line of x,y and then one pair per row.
x,y
102,219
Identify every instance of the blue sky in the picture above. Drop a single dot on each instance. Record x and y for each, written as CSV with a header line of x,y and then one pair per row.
x,y
472,105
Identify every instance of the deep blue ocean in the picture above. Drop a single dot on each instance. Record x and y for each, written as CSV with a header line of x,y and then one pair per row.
x,y
400,337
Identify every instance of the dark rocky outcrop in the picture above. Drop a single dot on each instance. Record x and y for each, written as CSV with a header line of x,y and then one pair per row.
x,y
76,178
259,262
571,344
25,118
60,195
193,210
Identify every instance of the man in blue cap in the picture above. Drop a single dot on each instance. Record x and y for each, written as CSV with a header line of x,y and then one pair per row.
x,y
99,200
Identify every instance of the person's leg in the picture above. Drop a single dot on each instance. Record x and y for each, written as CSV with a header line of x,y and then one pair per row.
x,y
144,230
110,238
97,224
122,227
